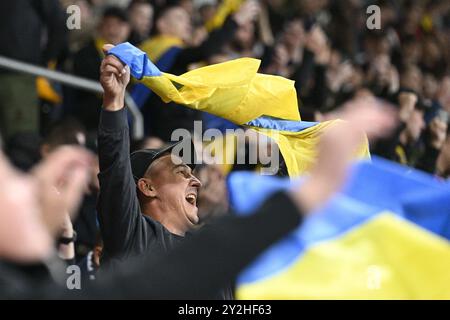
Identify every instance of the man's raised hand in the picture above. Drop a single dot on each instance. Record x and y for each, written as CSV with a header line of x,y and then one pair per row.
x,y
114,78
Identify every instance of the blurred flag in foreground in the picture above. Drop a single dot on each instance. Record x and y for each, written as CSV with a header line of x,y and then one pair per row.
x,y
385,236
235,91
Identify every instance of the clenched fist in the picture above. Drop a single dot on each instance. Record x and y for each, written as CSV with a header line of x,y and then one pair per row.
x,y
114,78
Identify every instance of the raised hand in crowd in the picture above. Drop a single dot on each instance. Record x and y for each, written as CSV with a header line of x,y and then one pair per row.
x,y
407,102
248,12
279,62
114,78
444,94
316,41
438,133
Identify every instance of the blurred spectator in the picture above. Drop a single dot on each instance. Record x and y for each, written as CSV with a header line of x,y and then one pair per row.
x,y
23,150
88,21
140,13
113,28
67,132
23,26
146,143
409,137
70,132
212,197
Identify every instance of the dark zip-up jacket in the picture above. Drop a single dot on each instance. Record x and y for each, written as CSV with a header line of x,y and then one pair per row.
x,y
125,230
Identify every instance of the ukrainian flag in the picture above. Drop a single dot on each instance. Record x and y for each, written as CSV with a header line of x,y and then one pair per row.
x,y
163,50
385,236
297,141
232,90
235,91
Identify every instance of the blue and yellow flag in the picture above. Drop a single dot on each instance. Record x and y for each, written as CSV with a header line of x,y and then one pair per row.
x,y
297,141
232,90
385,236
163,50
235,91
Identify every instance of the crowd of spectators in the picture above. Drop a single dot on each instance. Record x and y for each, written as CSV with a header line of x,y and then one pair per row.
x,y
325,46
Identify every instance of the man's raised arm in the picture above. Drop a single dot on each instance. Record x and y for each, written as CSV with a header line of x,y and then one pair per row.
x,y
118,206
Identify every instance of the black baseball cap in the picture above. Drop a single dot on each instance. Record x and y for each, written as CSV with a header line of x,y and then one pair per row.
x,y
142,159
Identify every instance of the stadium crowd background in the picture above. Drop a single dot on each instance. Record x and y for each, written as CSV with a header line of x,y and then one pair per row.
x,y
324,45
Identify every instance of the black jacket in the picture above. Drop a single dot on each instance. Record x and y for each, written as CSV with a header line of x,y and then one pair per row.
x,y
23,24
125,231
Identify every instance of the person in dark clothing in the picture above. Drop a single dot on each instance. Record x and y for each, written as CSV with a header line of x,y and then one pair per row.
x,y
23,151
23,24
140,13
302,54
413,143
434,142
113,28
147,203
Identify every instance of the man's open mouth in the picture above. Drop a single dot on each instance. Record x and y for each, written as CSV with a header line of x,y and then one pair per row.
x,y
192,199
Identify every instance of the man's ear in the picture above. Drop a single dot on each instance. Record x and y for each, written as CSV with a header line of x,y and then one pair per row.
x,y
146,187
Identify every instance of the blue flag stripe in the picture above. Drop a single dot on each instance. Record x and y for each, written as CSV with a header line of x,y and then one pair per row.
x,y
278,124
140,64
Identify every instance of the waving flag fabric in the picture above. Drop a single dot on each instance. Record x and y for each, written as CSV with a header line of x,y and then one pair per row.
x,y
235,91
386,236
297,141
163,50
232,90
